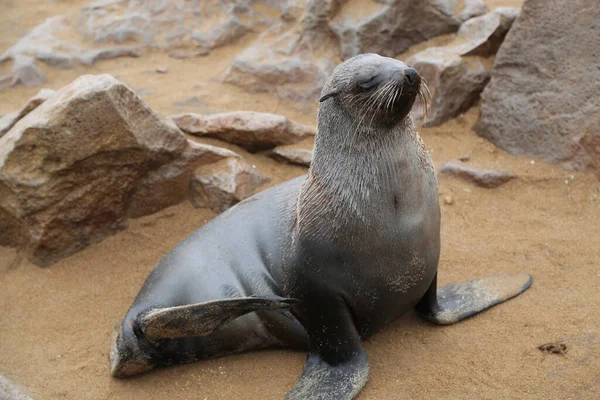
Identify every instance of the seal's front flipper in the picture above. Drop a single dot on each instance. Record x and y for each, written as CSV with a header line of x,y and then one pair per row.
x,y
337,367
201,319
459,301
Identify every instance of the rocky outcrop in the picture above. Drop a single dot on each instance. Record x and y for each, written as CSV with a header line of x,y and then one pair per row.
x,y
457,73
123,28
251,130
9,120
487,178
542,100
224,184
299,154
293,58
70,169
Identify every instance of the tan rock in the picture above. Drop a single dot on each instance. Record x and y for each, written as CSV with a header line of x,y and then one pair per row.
x,y
224,184
487,178
251,130
300,153
169,184
69,168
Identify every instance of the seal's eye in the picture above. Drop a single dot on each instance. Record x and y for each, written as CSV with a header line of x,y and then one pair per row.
x,y
368,83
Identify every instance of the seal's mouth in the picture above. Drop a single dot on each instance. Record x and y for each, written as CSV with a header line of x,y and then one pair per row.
x,y
389,95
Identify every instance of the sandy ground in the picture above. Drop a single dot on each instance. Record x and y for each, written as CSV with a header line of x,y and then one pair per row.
x,y
55,323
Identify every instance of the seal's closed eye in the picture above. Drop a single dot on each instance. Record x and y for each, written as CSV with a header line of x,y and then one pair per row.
x,y
368,83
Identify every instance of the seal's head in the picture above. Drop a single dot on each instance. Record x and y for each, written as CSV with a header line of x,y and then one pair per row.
x,y
381,89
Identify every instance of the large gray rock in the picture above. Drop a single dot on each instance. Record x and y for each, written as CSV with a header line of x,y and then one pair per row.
x,y
457,73
252,130
542,100
69,169
9,120
224,184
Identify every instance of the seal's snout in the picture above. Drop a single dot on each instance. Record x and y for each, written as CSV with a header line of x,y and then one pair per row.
x,y
411,75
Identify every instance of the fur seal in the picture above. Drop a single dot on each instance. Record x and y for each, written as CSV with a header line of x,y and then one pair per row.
x,y
320,262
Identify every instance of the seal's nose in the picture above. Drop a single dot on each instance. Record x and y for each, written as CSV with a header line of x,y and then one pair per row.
x,y
411,75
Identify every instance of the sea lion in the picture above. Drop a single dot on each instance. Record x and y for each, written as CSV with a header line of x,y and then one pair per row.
x,y
319,262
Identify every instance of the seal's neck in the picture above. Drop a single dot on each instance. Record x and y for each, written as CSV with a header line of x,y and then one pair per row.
x,y
356,170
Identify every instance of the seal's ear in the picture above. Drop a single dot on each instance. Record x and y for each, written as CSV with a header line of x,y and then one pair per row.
x,y
201,319
333,93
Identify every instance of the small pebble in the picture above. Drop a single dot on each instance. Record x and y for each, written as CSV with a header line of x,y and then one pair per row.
x,y
162,70
594,197
532,162
566,182
448,200
572,178
465,158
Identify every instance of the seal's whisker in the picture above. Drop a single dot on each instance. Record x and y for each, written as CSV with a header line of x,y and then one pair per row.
x,y
390,96
425,98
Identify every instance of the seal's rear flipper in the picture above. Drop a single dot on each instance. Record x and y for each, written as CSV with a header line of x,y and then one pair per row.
x,y
337,366
459,301
201,319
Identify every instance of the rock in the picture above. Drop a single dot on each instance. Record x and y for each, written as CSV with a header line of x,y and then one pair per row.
x,y
457,73
253,131
392,27
448,200
224,184
169,184
483,35
542,100
300,153
9,391
69,169
454,82
162,70
58,61
24,71
224,34
92,56
9,120
487,178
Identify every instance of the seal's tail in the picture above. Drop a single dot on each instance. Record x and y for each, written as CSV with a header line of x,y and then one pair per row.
x,y
201,319
459,301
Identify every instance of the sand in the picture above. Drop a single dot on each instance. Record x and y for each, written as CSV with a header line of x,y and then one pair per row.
x,y
56,323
